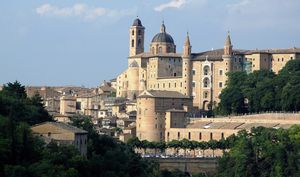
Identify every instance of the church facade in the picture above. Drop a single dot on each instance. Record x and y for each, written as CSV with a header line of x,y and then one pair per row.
x,y
200,76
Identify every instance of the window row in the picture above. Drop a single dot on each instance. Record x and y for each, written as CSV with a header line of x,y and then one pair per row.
x,y
200,136
206,71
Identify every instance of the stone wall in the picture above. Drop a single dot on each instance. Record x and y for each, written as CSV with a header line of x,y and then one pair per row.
x,y
197,165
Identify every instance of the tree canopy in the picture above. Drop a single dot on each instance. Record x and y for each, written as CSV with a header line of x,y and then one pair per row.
x,y
263,152
261,91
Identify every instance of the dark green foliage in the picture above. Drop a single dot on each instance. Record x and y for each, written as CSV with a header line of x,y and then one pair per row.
x,y
111,157
25,155
15,105
261,91
263,152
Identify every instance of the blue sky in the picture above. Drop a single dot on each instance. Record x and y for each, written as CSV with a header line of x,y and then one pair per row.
x,y
64,42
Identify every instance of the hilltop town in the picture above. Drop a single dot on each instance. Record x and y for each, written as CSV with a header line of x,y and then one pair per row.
x,y
162,90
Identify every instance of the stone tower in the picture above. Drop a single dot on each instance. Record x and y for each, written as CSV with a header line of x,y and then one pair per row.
x,y
227,57
186,66
136,38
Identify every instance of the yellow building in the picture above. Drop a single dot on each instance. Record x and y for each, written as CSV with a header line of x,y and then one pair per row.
x,y
165,83
63,134
200,75
152,107
205,129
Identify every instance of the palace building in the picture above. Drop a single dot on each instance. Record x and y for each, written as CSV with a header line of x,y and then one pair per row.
x,y
200,75
161,79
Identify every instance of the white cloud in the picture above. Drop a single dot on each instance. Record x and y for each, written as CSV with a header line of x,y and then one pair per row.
x,y
172,4
82,11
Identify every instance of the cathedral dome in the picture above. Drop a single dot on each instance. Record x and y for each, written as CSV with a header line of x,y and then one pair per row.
x,y
163,37
137,22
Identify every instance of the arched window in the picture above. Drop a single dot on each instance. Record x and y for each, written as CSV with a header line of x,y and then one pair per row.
x,y
139,42
132,32
159,50
206,70
206,82
132,43
168,49
139,32
152,50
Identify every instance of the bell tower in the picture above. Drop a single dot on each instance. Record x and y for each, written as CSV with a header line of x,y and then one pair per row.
x,y
136,38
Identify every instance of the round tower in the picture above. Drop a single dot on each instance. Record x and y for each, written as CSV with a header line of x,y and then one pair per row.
x,y
136,38
133,80
186,66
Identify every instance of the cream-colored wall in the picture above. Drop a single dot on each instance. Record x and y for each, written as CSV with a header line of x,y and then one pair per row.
x,y
175,119
283,120
67,105
279,61
134,82
131,107
168,67
134,36
122,85
197,134
219,79
165,48
214,76
148,122
151,116
54,132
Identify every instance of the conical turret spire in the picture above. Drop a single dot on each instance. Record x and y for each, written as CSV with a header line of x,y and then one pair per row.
x,y
228,40
228,45
187,46
187,40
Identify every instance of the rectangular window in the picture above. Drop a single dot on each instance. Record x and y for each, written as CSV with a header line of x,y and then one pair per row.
x,y
193,72
193,84
205,95
189,135
220,84
211,136
220,72
200,136
178,135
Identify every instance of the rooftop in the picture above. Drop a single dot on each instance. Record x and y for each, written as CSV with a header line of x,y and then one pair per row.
x,y
63,126
270,120
161,94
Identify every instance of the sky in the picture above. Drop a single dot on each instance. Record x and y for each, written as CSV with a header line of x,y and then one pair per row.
x,y
83,42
